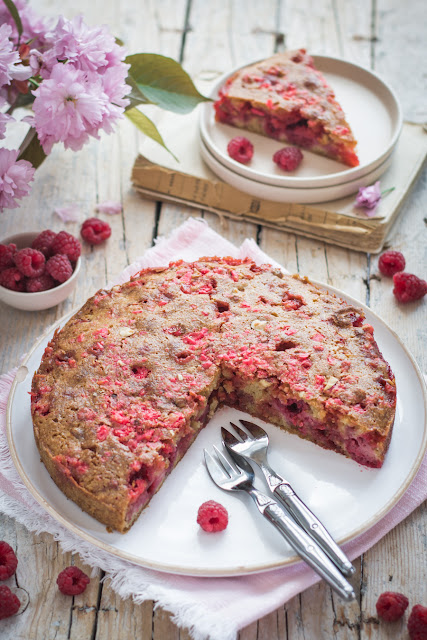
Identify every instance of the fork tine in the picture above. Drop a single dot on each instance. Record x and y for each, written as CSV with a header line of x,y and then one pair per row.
x,y
242,434
231,469
215,471
228,437
255,430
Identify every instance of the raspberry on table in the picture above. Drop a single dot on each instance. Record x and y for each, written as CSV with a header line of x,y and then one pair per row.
x,y
212,516
41,283
417,623
6,255
408,287
391,606
30,262
72,581
9,602
95,230
12,279
59,267
67,244
288,158
390,262
240,149
8,560
43,242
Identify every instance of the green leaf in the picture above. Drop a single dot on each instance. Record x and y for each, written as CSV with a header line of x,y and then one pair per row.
x,y
135,96
162,81
147,127
15,15
31,149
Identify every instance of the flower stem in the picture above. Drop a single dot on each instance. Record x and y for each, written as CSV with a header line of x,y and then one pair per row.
x,y
384,193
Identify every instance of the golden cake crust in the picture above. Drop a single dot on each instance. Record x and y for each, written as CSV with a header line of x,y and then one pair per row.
x,y
125,386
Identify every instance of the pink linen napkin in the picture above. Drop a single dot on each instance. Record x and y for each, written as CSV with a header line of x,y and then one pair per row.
x,y
214,608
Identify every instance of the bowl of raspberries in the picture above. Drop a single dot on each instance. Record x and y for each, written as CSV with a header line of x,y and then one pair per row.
x,y
38,269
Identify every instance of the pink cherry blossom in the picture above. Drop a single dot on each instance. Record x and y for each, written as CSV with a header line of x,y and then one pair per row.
x,y
15,178
369,197
88,48
69,106
34,27
10,67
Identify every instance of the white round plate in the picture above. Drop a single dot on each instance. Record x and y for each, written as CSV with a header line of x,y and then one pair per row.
x,y
291,194
347,497
371,108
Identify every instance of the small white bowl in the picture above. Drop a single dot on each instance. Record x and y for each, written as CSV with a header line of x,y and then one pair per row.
x,y
41,299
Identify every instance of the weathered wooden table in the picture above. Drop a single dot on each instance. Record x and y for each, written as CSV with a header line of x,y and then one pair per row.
x,y
209,37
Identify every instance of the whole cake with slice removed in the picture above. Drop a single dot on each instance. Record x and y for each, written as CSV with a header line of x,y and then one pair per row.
x,y
126,385
286,98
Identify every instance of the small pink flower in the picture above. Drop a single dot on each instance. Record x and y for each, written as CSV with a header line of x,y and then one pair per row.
x,y
369,198
110,207
15,177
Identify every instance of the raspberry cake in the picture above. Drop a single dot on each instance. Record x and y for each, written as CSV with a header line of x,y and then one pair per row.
x,y
286,98
126,385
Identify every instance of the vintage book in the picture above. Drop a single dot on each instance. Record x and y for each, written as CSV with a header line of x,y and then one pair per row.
x,y
189,181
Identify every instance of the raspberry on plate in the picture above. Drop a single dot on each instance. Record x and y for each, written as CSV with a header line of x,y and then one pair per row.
x,y
43,242
288,158
390,262
30,262
67,244
9,602
212,516
41,283
95,230
8,560
6,255
72,581
12,279
59,267
417,623
408,287
391,606
240,149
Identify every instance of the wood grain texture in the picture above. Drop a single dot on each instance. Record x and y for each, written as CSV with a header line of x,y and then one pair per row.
x,y
210,38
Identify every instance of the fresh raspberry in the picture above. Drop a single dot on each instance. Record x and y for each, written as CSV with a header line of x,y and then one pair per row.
x,y
59,267
288,158
30,262
67,244
12,279
72,581
417,623
390,262
6,255
240,149
391,606
9,602
408,287
212,516
95,231
43,242
8,560
41,283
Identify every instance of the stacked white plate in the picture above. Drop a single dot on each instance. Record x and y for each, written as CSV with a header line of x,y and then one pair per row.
x,y
373,112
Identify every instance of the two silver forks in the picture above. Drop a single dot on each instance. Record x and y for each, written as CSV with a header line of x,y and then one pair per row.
x,y
293,519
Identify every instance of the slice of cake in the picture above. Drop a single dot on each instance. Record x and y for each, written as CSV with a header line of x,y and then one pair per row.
x,y
286,98
126,385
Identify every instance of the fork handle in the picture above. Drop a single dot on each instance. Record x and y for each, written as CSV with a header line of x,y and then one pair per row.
x,y
312,525
305,547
